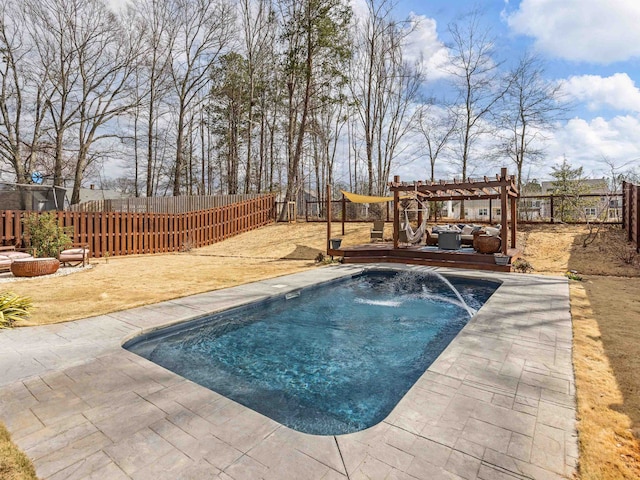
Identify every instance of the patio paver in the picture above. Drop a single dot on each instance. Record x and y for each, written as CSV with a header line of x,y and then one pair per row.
x,y
498,403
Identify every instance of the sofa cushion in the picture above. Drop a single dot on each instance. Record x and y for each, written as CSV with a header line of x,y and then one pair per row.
x,y
494,232
74,251
5,261
467,230
16,255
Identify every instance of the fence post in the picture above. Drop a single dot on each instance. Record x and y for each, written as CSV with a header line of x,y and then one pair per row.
x,y
631,192
328,218
624,205
637,191
551,208
344,212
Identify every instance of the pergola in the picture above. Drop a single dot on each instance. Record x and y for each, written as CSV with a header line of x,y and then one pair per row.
x,y
503,188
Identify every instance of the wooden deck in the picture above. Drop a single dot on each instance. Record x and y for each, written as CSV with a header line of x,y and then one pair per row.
x,y
423,255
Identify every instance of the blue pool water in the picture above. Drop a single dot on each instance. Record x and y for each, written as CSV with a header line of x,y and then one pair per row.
x,y
335,359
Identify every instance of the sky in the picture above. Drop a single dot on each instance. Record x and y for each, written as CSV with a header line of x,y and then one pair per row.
x,y
591,46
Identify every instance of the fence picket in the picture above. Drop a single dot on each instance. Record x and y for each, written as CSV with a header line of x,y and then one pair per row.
x,y
129,232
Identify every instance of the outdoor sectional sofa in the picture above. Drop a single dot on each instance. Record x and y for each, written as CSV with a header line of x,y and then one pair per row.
x,y
466,232
8,255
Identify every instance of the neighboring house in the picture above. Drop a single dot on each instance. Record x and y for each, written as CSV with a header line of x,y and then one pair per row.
x,y
476,210
605,204
93,194
93,199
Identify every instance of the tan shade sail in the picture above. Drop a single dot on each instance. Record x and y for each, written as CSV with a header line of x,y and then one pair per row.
x,y
357,198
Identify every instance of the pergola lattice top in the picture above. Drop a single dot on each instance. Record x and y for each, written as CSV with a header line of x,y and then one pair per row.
x,y
457,190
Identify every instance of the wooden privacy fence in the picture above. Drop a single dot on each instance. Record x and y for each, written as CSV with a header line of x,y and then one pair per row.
x,y
180,204
121,233
631,212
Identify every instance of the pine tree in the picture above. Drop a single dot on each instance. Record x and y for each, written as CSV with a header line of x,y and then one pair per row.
x,y
569,184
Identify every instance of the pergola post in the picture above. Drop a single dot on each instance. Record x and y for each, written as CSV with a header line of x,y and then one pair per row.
x,y
503,209
344,212
396,213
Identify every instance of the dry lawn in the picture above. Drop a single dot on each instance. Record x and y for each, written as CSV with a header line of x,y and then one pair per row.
x,y
14,465
605,310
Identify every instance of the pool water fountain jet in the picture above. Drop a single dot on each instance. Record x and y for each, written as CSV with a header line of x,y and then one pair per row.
x,y
409,278
442,278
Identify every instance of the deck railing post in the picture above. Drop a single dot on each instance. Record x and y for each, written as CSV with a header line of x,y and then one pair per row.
x,y
328,217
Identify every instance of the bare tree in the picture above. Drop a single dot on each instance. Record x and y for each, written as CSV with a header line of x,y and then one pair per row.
x,y
437,126
88,59
477,79
329,118
106,56
203,31
21,94
258,24
315,41
530,106
48,28
151,19
384,86
230,87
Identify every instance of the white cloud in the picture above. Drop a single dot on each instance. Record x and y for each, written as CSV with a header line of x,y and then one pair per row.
x,y
423,42
583,30
617,91
587,143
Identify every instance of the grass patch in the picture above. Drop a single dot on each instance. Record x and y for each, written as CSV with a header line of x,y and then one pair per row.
x,y
606,357
14,465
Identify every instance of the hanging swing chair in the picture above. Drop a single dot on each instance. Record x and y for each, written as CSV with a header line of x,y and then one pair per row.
x,y
415,236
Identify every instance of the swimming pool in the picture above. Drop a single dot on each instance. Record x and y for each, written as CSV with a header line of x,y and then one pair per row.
x,y
330,359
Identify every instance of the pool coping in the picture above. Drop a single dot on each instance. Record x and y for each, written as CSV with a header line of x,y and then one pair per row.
x,y
499,402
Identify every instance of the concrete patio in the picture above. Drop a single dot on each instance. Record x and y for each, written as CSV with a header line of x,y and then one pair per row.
x,y
499,402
